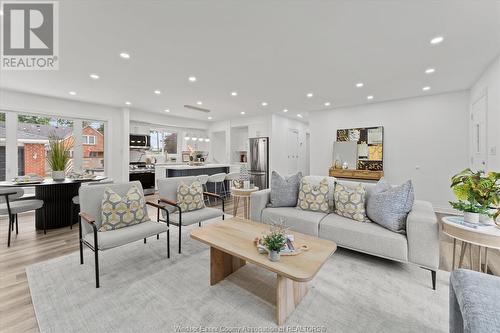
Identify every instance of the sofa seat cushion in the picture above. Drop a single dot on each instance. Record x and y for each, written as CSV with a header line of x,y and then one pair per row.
x,y
196,216
303,221
113,238
364,237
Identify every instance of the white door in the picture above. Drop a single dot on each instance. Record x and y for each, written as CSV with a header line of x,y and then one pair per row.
x,y
479,134
293,151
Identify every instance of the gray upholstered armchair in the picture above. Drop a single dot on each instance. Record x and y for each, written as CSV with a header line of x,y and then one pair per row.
x,y
90,222
167,189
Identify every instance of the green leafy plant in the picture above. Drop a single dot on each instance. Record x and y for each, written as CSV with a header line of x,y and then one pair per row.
x,y
477,192
58,155
274,241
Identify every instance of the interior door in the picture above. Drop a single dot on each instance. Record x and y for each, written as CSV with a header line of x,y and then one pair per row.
x,y
479,135
293,151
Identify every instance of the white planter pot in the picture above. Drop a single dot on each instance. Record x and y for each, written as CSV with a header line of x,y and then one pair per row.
x,y
274,256
58,175
471,217
485,219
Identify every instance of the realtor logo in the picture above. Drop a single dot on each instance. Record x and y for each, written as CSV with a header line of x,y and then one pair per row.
x,y
30,36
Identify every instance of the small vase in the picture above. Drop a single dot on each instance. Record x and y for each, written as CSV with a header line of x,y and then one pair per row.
x,y
58,175
471,217
274,256
485,219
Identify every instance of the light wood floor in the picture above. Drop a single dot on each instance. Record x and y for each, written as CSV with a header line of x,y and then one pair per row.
x,y
31,246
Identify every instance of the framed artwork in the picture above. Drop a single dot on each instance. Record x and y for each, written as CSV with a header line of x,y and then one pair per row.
x,y
369,148
185,156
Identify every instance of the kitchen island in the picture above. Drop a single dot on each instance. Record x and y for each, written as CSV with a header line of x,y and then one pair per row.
x,y
196,170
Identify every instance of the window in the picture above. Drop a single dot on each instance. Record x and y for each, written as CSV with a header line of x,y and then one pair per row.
x,y
88,140
163,142
170,143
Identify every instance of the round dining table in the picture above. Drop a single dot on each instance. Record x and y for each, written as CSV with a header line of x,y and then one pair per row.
x,y
57,196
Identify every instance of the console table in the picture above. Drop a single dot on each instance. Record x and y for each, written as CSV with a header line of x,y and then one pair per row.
x,y
355,174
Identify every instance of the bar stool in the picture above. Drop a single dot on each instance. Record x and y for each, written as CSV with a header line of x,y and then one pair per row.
x,y
203,179
11,205
218,178
230,177
75,202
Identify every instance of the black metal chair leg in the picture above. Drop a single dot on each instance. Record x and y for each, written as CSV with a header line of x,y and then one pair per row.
x,y
96,252
433,276
17,225
10,230
72,214
158,236
180,236
12,225
144,240
168,244
199,224
80,238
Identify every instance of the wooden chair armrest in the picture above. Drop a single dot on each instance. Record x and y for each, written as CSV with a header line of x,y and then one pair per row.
x,y
87,218
154,204
168,202
210,194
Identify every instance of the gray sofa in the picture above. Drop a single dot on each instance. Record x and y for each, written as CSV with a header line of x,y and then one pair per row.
x,y
419,246
474,298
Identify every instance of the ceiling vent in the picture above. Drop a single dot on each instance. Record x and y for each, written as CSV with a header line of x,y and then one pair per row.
x,y
192,107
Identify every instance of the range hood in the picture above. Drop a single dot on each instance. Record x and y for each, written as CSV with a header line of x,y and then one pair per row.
x,y
139,141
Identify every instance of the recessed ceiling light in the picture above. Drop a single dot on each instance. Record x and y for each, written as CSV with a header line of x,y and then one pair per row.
x,y
94,76
299,115
157,92
327,103
429,70
359,84
125,55
166,110
192,79
128,103
263,103
242,112
285,110
437,40
199,103
209,118
426,88
72,93
369,97
234,93
309,95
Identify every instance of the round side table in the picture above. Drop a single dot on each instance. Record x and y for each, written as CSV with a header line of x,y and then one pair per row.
x,y
482,236
244,194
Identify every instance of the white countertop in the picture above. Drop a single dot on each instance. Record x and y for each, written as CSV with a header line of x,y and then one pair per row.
x,y
190,167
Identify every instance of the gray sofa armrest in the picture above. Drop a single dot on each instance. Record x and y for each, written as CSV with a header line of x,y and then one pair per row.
x,y
258,201
422,231
474,300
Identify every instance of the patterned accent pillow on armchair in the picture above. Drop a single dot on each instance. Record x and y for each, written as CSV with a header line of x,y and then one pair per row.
x,y
120,212
190,197
313,197
350,202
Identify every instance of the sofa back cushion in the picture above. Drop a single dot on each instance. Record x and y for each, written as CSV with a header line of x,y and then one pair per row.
x,y
389,206
313,197
284,190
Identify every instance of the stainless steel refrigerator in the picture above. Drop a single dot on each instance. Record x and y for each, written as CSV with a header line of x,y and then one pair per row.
x,y
259,162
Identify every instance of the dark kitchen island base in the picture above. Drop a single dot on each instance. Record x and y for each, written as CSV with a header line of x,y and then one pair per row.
x,y
198,171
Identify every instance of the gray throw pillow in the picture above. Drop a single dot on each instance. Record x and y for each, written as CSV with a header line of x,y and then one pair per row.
x,y
389,206
284,190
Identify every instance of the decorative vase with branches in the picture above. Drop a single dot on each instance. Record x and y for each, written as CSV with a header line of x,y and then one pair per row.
x,y
58,156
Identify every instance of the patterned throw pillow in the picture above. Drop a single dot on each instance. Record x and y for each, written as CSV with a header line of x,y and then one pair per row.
x,y
350,202
190,197
313,197
120,212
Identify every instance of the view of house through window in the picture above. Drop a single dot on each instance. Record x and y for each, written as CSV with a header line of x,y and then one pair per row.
x,y
164,142
34,133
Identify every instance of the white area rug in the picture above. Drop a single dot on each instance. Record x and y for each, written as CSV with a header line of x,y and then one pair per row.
x,y
143,291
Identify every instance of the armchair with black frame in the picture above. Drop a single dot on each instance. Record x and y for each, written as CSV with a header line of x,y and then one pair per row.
x,y
167,189
90,222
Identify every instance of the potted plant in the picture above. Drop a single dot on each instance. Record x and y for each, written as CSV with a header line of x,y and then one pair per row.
x,y
58,157
274,242
478,194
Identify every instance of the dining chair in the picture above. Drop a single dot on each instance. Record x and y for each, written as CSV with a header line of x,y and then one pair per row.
x,y
218,180
173,214
11,205
90,221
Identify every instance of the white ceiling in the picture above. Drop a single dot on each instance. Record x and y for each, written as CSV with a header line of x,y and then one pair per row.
x,y
273,51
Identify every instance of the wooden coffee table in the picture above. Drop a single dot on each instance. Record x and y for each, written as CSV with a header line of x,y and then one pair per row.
x,y
231,246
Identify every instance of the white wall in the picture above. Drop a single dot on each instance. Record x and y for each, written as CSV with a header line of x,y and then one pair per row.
x,y
279,145
489,83
425,140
